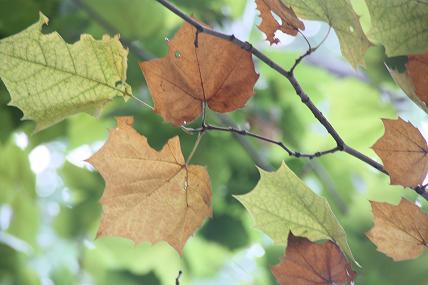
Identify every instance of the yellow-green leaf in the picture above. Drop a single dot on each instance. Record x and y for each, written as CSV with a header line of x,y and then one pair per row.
x,y
340,15
281,203
399,25
49,79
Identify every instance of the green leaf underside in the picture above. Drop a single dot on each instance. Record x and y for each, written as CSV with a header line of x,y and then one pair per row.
x,y
340,15
400,25
49,79
281,203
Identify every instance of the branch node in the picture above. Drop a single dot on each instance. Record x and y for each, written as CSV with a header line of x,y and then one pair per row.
x,y
248,47
305,98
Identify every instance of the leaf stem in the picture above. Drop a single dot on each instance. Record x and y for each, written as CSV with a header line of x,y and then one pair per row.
x,y
195,147
142,102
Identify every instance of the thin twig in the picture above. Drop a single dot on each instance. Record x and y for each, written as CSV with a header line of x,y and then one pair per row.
x,y
208,127
341,146
309,51
177,280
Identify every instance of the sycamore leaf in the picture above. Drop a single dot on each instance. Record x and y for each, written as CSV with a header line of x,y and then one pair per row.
x,y
217,72
340,15
281,203
49,79
418,72
150,196
399,25
308,263
407,84
290,24
404,153
400,231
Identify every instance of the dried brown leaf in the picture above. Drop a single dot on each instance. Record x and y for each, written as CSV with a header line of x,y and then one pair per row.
x,y
403,151
400,231
308,263
150,195
290,24
417,68
217,72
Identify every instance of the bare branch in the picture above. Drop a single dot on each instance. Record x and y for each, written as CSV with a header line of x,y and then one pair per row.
x,y
208,127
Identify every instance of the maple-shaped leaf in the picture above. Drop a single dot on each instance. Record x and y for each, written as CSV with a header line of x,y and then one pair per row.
x,y
404,153
400,231
217,72
150,196
281,203
340,15
308,263
49,79
400,26
290,24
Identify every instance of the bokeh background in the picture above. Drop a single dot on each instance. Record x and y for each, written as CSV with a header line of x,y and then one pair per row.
x,y
49,208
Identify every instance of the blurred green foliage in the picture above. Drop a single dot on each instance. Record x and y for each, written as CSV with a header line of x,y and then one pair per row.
x,y
49,215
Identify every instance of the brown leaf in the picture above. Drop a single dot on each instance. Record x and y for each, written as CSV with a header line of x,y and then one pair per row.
x,y
417,68
308,263
403,151
217,72
150,196
400,231
290,24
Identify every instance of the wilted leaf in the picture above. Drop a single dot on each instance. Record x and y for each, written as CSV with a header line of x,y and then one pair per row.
x,y
150,195
406,84
403,151
401,26
217,72
49,79
290,24
400,231
418,71
281,203
343,19
308,263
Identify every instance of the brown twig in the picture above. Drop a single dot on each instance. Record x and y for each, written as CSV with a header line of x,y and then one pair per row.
x,y
177,280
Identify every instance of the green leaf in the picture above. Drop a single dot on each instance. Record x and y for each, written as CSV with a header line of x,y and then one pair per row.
x,y
399,25
49,79
340,15
281,203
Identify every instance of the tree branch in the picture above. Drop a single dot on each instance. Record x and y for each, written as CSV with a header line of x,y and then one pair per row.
x,y
341,146
208,127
